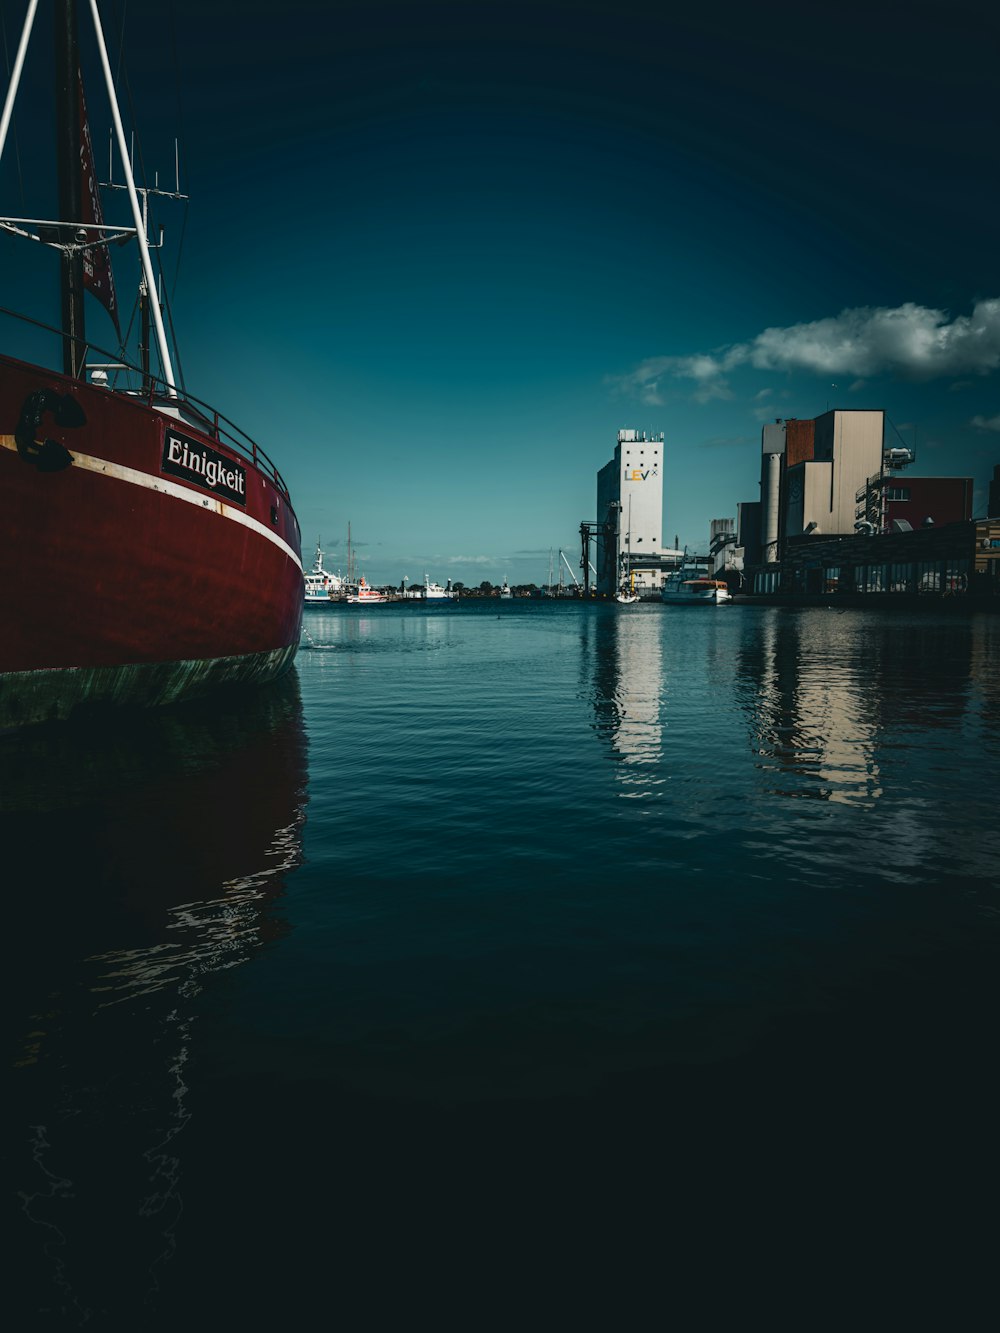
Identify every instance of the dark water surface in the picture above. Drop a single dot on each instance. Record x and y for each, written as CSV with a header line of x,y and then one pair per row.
x,y
516,965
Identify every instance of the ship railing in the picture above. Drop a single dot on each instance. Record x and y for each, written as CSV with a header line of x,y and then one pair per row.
x,y
156,392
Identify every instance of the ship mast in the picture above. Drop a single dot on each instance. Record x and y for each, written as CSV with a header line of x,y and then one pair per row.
x,y
68,148
67,61
137,214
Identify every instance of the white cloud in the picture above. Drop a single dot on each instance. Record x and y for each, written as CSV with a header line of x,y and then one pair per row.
x,y
986,423
910,341
706,371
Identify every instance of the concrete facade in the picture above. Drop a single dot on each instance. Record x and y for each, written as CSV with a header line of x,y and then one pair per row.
x,y
630,505
723,549
820,493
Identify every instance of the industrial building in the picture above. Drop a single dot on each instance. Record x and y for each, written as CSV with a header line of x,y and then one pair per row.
x,y
836,518
627,535
955,560
837,476
725,553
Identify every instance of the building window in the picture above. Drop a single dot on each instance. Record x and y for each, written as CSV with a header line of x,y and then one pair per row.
x,y
956,575
929,576
831,578
870,578
900,577
897,492
873,579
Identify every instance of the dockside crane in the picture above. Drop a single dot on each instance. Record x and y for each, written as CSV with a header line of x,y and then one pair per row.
x,y
606,535
572,571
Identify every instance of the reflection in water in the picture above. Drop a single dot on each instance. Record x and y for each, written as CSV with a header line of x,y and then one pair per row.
x,y
826,693
811,723
984,676
859,709
627,691
149,849
569,950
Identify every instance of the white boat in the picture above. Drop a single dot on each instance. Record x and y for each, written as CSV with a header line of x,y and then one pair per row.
x,y
683,590
320,584
433,592
365,595
625,597
505,589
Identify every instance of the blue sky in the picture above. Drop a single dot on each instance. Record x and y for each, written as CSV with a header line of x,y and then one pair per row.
x,y
438,254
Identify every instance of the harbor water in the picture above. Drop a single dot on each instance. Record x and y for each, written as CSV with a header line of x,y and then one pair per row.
x,y
523,964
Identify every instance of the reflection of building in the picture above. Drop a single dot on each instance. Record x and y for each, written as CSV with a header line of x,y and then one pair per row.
x,y
829,733
815,734
629,526
627,688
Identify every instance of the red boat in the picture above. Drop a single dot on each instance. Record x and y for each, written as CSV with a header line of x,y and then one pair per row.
x,y
150,551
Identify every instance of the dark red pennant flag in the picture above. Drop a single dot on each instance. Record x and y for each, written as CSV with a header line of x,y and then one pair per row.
x,y
97,275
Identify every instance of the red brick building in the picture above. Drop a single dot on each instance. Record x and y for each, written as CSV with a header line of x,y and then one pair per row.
x,y
940,499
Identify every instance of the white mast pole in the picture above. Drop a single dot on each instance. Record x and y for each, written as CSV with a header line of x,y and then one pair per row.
x,y
15,78
147,267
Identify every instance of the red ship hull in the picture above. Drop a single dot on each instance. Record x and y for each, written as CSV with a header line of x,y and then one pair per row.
x,y
125,576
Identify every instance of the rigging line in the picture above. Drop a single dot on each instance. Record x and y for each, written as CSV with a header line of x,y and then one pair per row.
x,y
122,345
177,74
121,41
131,106
180,248
168,310
13,119
177,350
181,139
154,295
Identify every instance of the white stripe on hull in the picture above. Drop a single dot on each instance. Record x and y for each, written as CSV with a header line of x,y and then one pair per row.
x,y
143,479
